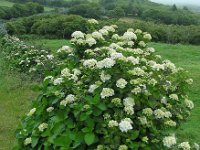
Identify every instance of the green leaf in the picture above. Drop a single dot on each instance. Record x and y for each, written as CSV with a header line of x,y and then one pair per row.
x,y
62,141
89,99
58,128
89,138
134,145
134,135
96,99
34,141
70,124
86,130
90,123
102,106
58,117
97,112
83,117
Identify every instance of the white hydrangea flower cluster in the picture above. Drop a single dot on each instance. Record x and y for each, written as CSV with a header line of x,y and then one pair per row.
x,y
90,63
104,77
184,146
147,36
121,83
107,92
160,114
32,111
169,141
129,36
173,97
78,35
112,123
123,147
68,100
67,73
50,109
92,88
125,125
58,81
27,141
147,111
66,49
42,127
129,103
91,41
106,63
189,104
97,35
93,21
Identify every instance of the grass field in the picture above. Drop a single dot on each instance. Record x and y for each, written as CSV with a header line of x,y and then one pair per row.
x,y
15,100
49,44
14,103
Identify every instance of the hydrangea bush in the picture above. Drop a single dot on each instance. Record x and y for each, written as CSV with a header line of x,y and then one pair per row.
x,y
27,58
111,92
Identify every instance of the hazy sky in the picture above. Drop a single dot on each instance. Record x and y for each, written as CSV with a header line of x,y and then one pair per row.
x,y
190,2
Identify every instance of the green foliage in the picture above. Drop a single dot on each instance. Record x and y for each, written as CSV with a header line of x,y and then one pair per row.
x,y
179,17
26,58
20,10
144,9
86,10
174,8
62,26
151,11
59,26
116,13
54,3
161,32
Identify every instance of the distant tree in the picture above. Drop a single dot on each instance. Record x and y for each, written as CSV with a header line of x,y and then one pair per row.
x,y
116,13
2,13
128,8
86,10
108,4
185,8
21,10
174,8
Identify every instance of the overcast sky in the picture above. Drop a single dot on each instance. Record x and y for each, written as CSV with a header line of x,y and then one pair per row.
x,y
190,2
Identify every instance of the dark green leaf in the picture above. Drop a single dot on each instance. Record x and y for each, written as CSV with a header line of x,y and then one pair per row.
x,y
101,106
134,135
62,141
83,117
89,138
34,141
